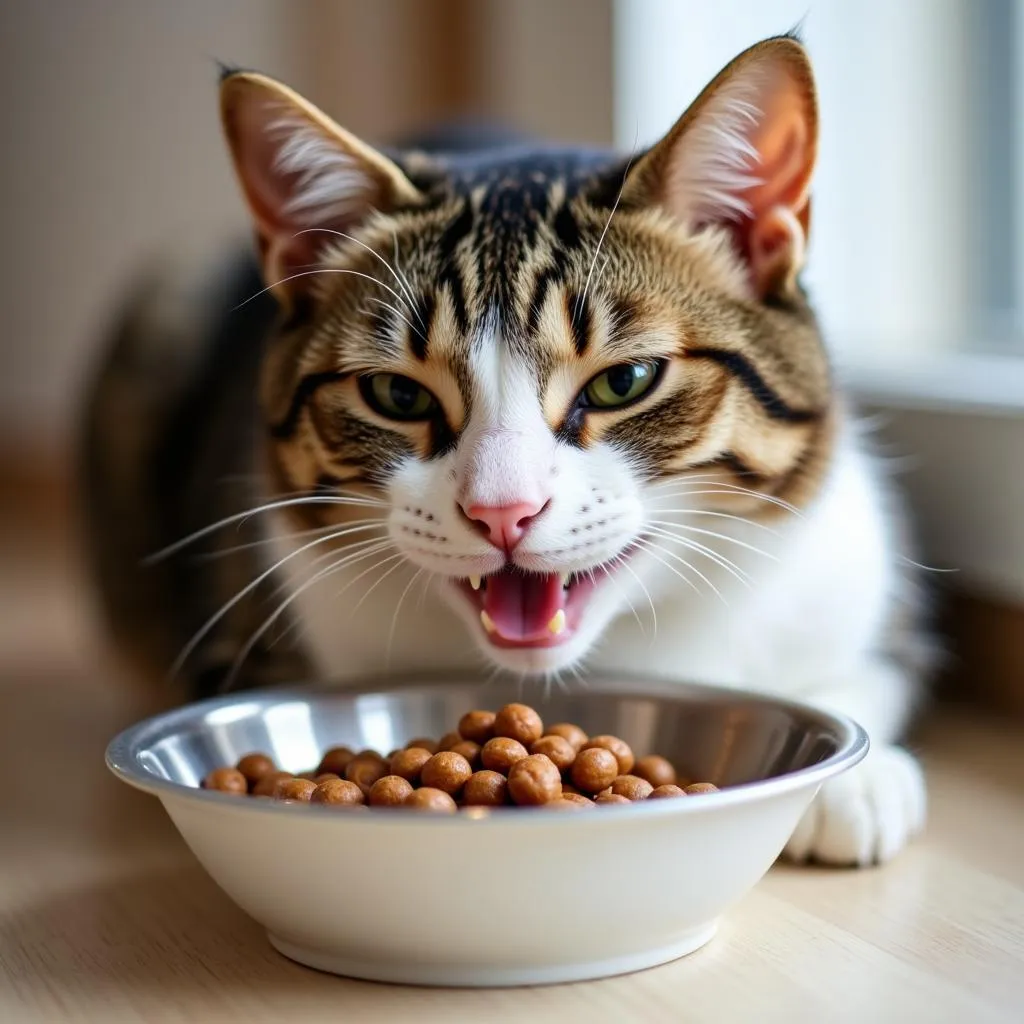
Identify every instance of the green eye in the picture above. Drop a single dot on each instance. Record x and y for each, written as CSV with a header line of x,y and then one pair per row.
x,y
397,397
620,385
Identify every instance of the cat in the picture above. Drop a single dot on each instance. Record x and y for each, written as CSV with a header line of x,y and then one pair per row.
x,y
525,409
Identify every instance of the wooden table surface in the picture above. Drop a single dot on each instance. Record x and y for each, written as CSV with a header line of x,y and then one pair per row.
x,y
105,916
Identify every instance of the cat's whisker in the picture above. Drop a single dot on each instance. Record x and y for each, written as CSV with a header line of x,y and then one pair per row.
x,y
394,309
321,270
618,561
424,590
301,628
652,547
725,488
376,583
581,301
316,531
404,279
580,678
702,549
650,601
212,621
398,607
717,515
715,534
342,563
373,252
239,517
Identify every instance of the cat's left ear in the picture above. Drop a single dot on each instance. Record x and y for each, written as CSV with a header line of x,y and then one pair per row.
x,y
302,175
742,156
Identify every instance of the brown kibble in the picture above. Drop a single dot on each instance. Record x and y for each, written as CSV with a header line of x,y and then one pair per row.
x,y
612,798
422,743
577,798
534,780
594,769
519,722
668,790
338,793
696,788
500,753
448,741
469,750
572,733
620,748
493,760
429,799
389,791
365,771
297,790
267,786
409,763
658,771
446,771
254,767
335,760
561,752
632,787
485,789
226,780
477,726
562,804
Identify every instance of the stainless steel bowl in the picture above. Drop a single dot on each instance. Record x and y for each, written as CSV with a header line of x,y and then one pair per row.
x,y
397,896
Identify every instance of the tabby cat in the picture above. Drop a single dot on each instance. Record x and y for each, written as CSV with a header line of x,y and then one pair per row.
x,y
517,409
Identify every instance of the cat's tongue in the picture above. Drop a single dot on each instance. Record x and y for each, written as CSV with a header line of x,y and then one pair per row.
x,y
521,605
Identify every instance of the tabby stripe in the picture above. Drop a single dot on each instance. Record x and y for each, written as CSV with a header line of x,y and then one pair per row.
x,y
566,228
305,390
732,462
545,279
578,310
739,366
449,241
330,482
419,338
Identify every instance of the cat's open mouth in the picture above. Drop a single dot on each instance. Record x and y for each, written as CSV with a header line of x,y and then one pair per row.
x,y
530,609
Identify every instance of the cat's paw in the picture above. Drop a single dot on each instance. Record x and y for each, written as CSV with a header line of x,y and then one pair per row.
x,y
864,816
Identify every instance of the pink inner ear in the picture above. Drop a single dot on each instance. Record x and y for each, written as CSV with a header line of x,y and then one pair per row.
x,y
785,161
771,236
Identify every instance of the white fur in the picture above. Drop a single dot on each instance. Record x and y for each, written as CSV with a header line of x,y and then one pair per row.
x,y
710,173
330,184
812,622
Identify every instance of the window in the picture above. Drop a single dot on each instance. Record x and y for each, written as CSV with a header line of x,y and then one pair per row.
x,y
917,243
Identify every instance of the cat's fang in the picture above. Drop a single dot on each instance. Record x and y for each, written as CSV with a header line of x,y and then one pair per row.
x,y
565,580
487,622
474,582
557,623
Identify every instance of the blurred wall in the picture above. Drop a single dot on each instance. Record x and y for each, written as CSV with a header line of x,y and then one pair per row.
x,y
112,149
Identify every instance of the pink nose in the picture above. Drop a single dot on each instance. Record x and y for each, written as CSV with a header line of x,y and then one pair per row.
x,y
504,525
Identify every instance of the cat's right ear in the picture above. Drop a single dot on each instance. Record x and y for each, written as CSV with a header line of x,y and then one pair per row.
x,y
302,176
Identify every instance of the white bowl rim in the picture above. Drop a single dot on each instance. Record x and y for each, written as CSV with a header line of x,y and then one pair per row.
x,y
122,754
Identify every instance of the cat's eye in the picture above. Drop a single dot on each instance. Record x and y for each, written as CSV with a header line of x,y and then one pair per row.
x,y
397,397
620,385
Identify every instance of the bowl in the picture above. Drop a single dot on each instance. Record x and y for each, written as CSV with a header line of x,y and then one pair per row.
x,y
491,898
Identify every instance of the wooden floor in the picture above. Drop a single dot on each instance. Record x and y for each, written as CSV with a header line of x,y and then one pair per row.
x,y
105,916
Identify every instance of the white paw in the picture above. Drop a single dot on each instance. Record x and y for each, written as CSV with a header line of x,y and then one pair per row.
x,y
866,815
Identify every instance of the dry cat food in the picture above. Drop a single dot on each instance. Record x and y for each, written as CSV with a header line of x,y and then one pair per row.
x,y
493,759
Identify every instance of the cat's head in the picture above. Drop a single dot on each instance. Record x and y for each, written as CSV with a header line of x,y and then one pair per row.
x,y
541,361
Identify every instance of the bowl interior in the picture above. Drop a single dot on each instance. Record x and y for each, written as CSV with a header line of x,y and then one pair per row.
x,y
710,735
